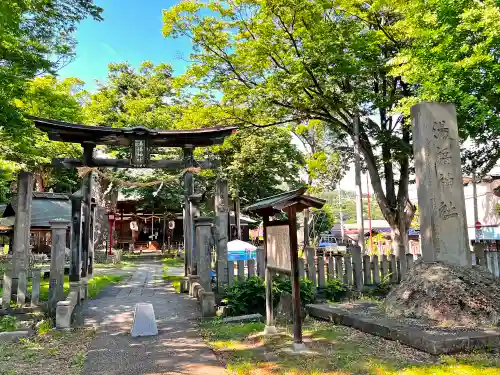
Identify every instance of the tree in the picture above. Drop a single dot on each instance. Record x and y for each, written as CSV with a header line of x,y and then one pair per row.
x,y
255,163
259,163
36,37
291,61
454,56
59,100
134,98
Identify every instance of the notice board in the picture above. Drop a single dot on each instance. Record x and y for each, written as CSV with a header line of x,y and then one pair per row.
x,y
278,248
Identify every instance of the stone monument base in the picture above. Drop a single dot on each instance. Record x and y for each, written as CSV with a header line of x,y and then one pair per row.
x,y
451,295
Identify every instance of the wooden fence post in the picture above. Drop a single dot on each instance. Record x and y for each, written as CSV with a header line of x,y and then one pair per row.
x,y
357,266
311,266
385,266
331,268
241,270
339,268
394,269
348,269
230,272
367,271
321,272
302,268
251,267
376,270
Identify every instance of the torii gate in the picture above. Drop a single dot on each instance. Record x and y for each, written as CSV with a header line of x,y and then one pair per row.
x,y
140,140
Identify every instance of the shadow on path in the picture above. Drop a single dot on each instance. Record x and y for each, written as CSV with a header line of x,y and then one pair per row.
x,y
178,349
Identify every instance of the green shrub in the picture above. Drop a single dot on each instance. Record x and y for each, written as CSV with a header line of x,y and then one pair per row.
x,y
246,297
335,290
307,292
380,290
8,323
249,296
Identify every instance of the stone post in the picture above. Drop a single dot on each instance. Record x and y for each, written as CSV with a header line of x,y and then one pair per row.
x,y
87,187
222,230
22,225
203,241
35,287
56,286
188,220
76,238
91,239
443,223
7,291
194,212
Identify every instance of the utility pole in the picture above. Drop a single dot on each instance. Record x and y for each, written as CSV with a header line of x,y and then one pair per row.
x,y
359,194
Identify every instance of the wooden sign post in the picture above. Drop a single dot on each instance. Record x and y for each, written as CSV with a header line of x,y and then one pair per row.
x,y
281,251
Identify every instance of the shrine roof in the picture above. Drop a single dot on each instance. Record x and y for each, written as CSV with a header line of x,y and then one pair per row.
x,y
276,203
106,135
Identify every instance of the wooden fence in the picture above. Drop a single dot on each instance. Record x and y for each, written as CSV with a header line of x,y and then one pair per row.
x,y
350,267
28,289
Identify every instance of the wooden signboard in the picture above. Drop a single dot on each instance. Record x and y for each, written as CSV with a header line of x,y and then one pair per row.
x,y
278,248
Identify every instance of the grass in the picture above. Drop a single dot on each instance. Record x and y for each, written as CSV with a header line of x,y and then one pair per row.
x,y
8,323
334,350
120,265
95,285
173,262
55,353
174,280
98,283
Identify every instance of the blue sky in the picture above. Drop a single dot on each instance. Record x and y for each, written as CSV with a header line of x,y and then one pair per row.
x,y
131,31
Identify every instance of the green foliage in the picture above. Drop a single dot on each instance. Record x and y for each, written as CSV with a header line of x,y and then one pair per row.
x,y
45,326
450,53
249,296
259,163
348,206
35,37
8,323
131,97
324,219
335,290
307,291
30,149
246,297
381,290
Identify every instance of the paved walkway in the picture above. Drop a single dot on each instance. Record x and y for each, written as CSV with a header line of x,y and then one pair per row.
x,y
178,349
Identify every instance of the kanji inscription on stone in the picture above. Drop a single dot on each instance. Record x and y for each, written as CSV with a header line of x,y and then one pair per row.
x,y
438,173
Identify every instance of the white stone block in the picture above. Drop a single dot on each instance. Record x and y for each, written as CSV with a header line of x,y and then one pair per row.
x,y
144,321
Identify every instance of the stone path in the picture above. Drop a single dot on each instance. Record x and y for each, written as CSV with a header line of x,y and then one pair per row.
x,y
178,349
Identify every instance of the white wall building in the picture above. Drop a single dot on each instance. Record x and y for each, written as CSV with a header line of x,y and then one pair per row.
x,y
486,206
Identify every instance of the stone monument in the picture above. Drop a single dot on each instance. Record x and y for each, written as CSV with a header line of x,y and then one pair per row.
x,y
443,223
444,287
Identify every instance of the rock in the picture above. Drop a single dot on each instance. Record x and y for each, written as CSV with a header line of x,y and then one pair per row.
x,y
284,310
244,318
447,293
14,335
